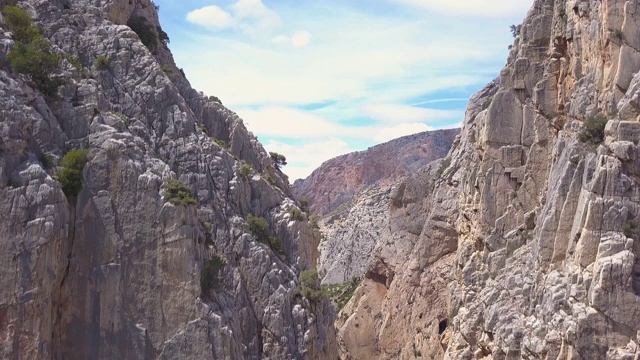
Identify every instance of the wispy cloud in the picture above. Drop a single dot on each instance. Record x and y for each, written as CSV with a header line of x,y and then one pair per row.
x,y
339,75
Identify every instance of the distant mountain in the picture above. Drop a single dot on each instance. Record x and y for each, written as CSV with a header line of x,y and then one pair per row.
x,y
338,180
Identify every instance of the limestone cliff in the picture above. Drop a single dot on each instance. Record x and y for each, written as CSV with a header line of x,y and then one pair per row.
x,y
115,273
527,246
355,222
340,179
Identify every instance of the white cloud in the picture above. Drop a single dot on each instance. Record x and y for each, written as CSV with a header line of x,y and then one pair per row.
x,y
300,39
288,123
408,114
481,8
211,17
256,17
249,16
401,130
297,40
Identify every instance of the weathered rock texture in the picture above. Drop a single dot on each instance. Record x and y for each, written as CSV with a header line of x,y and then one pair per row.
x,y
527,246
115,273
338,180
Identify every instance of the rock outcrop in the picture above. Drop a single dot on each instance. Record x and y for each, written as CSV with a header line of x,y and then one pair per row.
x,y
527,246
115,273
353,191
340,179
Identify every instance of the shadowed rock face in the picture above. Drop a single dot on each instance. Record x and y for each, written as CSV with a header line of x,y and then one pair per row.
x,y
527,245
115,273
338,180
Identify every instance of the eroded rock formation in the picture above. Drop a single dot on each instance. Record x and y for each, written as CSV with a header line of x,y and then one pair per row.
x,y
115,273
527,246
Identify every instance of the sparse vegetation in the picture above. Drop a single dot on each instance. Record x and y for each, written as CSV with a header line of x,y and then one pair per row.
x,y
245,171
443,166
515,30
618,34
259,227
162,35
70,172
47,160
220,143
304,204
122,118
296,214
202,127
101,63
214,98
310,285
276,245
208,235
178,193
74,61
631,229
340,294
593,130
313,221
145,31
37,61
210,276
20,23
269,179
278,159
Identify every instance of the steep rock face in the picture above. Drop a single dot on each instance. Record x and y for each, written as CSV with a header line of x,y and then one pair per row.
x,y
338,180
538,230
116,272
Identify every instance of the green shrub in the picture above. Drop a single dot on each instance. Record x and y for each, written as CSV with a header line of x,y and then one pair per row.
x,y
304,204
47,160
313,221
269,179
278,159
145,31
73,60
70,173
593,130
179,193
296,214
162,35
37,61
259,227
101,62
210,276
245,170
208,236
340,294
20,23
220,143
276,245
213,98
631,229
122,118
310,285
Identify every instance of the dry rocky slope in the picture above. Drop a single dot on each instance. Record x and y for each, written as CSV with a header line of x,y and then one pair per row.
x,y
338,180
527,246
115,273
353,191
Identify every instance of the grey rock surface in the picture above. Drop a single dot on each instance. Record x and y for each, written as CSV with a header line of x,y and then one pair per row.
x,y
528,245
115,273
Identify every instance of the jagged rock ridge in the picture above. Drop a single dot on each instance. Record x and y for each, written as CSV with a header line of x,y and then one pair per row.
x,y
338,180
115,273
352,229
527,246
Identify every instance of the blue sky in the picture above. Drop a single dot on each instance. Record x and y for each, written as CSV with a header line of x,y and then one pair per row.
x,y
317,79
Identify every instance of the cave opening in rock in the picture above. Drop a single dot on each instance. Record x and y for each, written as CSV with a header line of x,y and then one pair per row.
x,y
442,326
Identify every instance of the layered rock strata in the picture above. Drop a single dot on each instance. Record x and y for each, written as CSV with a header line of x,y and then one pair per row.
x,y
116,272
527,246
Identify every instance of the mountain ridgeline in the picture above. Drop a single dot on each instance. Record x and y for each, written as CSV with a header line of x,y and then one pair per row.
x,y
142,220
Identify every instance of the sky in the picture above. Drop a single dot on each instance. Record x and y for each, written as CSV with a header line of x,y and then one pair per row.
x,y
317,79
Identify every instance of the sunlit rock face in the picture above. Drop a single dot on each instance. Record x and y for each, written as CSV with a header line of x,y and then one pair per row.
x,y
351,195
526,245
115,273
